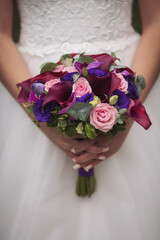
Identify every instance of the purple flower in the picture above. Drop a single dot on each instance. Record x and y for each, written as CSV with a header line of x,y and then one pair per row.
x,y
33,97
97,72
43,114
69,103
88,97
132,89
123,99
38,88
94,65
68,77
80,66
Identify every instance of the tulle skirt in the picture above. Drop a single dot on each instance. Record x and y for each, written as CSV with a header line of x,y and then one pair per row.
x,y
37,181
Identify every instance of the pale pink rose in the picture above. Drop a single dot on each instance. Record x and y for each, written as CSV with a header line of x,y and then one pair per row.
x,y
103,117
81,87
59,68
123,86
69,69
50,83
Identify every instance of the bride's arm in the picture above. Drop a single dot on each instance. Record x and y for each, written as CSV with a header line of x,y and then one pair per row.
x,y
147,56
12,66
13,69
146,62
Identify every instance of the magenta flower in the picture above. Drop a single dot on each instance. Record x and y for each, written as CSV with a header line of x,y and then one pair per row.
x,y
43,78
106,59
103,85
60,92
137,112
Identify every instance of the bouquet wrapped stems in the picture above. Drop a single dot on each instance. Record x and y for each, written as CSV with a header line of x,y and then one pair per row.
x,y
86,183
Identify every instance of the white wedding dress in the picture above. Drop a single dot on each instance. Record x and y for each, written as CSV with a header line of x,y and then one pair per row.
x,y
37,181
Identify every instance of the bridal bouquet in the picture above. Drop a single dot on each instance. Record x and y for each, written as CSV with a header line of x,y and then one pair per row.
x,y
86,95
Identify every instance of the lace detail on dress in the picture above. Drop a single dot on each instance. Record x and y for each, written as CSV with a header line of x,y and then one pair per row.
x,y
75,25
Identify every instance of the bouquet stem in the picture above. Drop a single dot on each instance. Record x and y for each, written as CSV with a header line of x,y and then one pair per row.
x,y
86,183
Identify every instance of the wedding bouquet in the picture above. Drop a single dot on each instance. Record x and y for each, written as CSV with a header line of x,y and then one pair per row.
x,y
86,95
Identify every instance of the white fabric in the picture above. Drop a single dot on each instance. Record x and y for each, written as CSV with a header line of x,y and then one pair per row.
x,y
37,182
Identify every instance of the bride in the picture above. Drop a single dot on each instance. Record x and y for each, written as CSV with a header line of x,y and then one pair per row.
x,y
37,200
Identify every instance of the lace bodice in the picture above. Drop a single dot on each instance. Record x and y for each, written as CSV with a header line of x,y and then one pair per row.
x,y
74,25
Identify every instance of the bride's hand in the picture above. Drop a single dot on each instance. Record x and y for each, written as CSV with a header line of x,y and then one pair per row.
x,y
92,152
63,142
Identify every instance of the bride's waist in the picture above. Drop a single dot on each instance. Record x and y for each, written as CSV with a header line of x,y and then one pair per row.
x,y
42,49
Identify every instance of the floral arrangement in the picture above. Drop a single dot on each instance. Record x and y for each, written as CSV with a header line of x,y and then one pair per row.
x,y
86,95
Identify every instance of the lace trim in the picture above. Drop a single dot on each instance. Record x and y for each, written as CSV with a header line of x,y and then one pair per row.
x,y
87,47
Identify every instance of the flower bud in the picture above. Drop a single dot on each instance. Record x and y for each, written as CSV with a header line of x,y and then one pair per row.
x,y
95,101
113,100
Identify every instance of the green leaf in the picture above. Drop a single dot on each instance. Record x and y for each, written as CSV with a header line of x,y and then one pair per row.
x,y
53,122
48,66
85,59
90,131
65,56
70,131
116,66
62,123
120,121
118,117
113,54
80,128
106,96
80,111
139,89
122,111
141,81
76,76
84,72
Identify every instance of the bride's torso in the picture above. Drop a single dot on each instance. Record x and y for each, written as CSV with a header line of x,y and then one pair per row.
x,y
58,26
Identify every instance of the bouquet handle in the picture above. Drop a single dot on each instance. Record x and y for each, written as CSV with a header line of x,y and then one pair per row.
x,y
86,183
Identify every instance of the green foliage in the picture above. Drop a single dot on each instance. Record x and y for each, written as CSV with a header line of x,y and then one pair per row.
x,y
139,89
118,127
84,72
85,59
80,111
116,66
65,56
140,79
76,76
70,130
90,131
113,54
80,128
48,66
122,111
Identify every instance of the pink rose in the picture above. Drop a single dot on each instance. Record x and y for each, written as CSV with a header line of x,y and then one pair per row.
x,y
50,83
81,87
69,69
103,117
123,86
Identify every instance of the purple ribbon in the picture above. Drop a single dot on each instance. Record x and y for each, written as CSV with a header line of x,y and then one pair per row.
x,y
84,173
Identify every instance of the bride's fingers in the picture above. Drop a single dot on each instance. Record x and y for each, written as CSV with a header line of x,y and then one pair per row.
x,y
97,149
83,158
93,161
80,146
